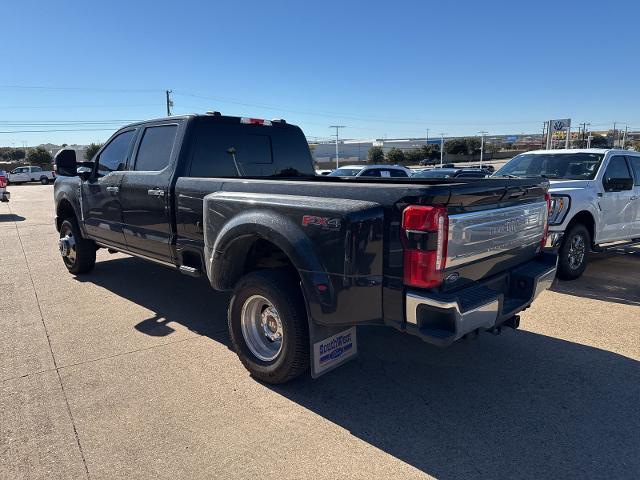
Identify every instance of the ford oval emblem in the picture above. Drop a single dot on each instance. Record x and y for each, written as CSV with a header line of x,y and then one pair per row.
x,y
452,278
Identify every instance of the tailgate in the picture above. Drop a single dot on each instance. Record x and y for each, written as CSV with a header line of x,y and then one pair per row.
x,y
486,240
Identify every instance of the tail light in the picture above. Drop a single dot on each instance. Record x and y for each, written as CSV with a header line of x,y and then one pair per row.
x,y
3,181
424,236
545,232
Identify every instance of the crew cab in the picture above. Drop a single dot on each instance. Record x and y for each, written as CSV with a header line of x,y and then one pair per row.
x,y
4,195
595,199
29,173
308,258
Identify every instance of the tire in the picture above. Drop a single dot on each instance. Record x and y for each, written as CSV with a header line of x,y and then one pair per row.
x,y
81,253
573,252
44,180
284,308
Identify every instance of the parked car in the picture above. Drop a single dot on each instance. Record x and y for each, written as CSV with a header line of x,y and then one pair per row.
x,y
323,172
236,201
4,195
30,173
595,198
371,171
452,173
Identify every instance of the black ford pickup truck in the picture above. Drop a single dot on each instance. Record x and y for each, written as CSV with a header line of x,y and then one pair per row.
x,y
308,258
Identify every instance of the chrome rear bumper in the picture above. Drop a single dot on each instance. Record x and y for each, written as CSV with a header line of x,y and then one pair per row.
x,y
443,319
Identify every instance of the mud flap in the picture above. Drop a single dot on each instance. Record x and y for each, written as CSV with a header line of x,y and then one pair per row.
x,y
330,347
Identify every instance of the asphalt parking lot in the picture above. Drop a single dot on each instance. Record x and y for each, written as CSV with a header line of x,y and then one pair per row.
x,y
127,373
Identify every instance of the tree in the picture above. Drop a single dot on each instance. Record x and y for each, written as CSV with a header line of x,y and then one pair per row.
x,y
599,141
473,145
16,154
375,155
414,156
91,150
455,146
395,156
39,156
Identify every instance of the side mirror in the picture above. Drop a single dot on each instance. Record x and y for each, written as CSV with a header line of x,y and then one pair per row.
x,y
65,162
617,184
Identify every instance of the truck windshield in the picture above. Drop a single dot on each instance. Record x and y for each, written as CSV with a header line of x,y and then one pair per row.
x,y
566,166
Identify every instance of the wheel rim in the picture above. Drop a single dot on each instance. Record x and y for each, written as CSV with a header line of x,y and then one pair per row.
x,y
261,328
577,250
67,246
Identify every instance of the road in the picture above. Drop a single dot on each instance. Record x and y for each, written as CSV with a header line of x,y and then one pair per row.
x,y
127,373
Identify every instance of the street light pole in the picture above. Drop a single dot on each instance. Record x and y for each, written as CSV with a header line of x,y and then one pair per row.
x,y
441,148
337,127
482,133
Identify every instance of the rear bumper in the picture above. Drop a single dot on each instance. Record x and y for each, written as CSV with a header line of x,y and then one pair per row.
x,y
4,196
441,319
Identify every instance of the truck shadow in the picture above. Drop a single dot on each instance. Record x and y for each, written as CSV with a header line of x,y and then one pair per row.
x,y
521,405
11,217
613,276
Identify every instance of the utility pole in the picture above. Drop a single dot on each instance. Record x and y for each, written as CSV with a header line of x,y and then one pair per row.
x,y
442,148
427,142
337,127
614,135
544,129
624,135
169,101
482,133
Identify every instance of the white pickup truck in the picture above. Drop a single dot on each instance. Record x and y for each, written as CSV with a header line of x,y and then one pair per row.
x,y
595,199
30,173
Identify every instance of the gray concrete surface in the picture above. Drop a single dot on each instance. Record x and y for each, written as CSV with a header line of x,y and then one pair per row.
x,y
127,373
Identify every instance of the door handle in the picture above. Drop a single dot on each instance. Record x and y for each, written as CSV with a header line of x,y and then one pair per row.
x,y
113,189
156,192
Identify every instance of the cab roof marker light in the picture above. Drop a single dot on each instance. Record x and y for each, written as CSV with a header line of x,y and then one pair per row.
x,y
255,121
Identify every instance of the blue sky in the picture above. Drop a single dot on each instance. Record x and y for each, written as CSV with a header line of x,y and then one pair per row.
x,y
381,69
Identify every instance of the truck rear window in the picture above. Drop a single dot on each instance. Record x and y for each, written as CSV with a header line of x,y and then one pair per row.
x,y
258,151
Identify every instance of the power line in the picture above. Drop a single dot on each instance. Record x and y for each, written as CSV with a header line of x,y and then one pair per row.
x,y
85,89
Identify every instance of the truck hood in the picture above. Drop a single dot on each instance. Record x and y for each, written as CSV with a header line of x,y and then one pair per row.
x,y
567,186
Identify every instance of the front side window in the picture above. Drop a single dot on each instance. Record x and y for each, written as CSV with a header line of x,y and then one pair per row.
x,y
155,149
114,156
617,170
373,172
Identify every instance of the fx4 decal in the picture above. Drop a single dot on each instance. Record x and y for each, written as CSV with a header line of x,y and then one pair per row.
x,y
323,222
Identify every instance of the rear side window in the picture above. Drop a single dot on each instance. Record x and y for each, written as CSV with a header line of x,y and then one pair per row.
x,y
635,165
114,156
398,173
373,172
155,149
36,169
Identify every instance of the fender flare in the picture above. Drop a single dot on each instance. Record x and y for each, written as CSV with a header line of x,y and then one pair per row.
x,y
225,248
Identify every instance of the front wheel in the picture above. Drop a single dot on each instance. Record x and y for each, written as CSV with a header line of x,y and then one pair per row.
x,y
78,254
573,252
268,326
